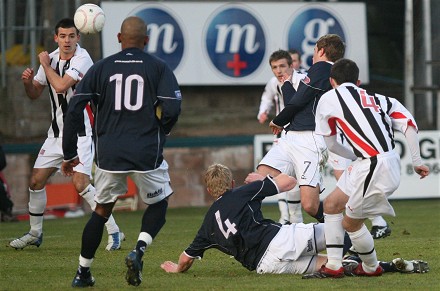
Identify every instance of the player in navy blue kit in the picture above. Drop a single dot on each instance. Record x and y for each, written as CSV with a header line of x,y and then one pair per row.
x,y
235,225
137,101
300,151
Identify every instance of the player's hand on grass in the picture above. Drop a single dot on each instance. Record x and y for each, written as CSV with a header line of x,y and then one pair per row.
x,y
169,267
422,170
67,166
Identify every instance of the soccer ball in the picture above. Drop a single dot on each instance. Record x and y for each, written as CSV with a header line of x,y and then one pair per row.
x,y
89,18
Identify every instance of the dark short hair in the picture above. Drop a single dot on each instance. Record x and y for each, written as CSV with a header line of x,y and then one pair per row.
x,y
344,70
65,23
280,54
333,46
295,52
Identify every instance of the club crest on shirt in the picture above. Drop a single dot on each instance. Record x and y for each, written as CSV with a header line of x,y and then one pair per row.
x,y
80,75
42,151
178,94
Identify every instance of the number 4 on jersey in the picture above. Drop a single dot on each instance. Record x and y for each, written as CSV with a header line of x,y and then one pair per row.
x,y
368,101
230,226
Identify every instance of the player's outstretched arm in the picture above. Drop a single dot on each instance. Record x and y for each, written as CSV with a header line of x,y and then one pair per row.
x,y
184,264
422,171
413,144
285,182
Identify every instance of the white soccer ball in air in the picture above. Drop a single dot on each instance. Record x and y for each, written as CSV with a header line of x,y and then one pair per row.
x,y
89,18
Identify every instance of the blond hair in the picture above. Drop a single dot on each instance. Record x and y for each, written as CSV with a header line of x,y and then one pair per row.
x,y
218,179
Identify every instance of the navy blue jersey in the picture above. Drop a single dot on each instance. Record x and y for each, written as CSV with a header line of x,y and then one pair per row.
x,y
125,90
235,225
299,111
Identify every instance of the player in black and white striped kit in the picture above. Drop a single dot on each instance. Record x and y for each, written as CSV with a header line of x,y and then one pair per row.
x,y
281,63
368,122
61,70
138,101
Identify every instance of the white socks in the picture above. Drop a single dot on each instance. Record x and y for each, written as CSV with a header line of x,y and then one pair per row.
x,y
378,221
37,205
334,239
144,236
284,209
294,204
363,243
83,262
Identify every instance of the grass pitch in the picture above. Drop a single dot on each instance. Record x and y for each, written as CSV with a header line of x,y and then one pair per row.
x,y
52,266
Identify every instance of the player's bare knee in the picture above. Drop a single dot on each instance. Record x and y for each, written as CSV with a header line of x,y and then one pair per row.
x,y
309,207
80,181
35,184
330,207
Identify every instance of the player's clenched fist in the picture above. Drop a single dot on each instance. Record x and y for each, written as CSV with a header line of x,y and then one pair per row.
x,y
27,74
44,58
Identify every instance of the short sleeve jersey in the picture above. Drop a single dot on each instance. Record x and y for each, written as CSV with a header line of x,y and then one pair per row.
x,y
76,67
367,120
125,90
235,225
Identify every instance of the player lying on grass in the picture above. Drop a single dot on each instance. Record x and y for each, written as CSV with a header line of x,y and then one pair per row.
x,y
235,225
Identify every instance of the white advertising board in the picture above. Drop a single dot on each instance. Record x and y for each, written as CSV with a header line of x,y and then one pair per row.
x,y
229,43
411,186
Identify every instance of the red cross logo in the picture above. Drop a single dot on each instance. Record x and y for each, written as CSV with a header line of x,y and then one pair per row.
x,y
236,64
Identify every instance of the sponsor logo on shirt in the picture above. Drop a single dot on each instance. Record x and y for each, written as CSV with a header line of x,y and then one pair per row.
x,y
178,94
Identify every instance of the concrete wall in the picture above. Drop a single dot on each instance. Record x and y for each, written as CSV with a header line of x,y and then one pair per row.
x,y
187,166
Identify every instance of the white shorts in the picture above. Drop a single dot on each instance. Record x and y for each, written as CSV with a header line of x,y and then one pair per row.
x,y
300,152
293,250
153,185
337,162
51,154
368,183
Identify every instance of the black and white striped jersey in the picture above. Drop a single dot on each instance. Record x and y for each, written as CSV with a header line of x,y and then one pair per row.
x,y
76,67
235,225
367,120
